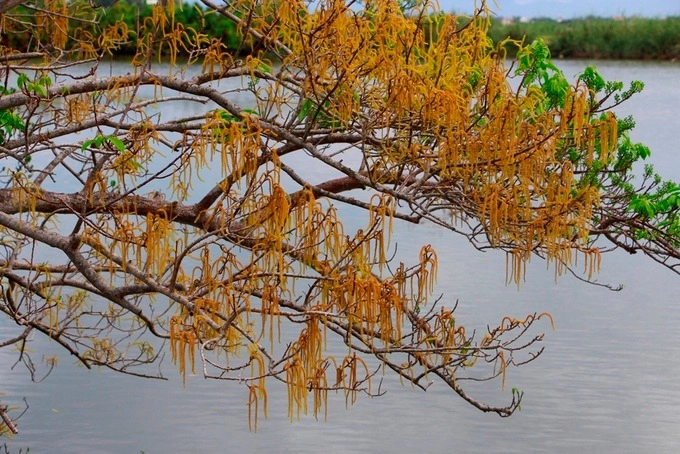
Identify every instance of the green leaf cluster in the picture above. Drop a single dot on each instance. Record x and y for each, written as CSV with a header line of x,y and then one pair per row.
x,y
318,113
9,124
38,86
100,140
537,69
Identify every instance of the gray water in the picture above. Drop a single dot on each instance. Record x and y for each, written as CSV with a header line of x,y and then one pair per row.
x,y
609,379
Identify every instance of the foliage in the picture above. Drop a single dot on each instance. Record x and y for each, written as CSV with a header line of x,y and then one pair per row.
x,y
223,236
589,37
121,20
597,37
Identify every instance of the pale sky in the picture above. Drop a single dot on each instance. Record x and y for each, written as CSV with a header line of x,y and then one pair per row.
x,y
570,8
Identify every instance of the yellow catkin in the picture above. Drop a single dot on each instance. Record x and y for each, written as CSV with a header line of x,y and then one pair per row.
x,y
453,128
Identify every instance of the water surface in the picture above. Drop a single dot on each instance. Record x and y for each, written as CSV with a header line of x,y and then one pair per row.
x,y
608,380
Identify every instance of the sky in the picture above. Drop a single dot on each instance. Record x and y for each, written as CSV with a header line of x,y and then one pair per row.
x,y
571,8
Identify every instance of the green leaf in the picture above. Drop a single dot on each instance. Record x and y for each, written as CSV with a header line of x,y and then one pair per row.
x,y
39,90
593,80
305,108
227,116
87,144
21,80
116,142
96,141
45,81
643,206
556,88
642,150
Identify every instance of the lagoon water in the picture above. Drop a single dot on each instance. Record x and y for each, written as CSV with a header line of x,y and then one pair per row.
x,y
608,381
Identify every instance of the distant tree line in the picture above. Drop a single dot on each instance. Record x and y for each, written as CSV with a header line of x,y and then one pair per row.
x,y
126,15
192,16
595,37
590,37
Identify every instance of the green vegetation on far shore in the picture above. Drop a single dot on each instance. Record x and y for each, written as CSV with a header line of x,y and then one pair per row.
x,y
634,38
590,37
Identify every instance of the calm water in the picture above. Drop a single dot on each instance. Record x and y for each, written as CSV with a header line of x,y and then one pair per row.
x,y
609,378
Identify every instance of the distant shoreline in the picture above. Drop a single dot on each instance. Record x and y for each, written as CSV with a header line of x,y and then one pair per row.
x,y
619,38
594,38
